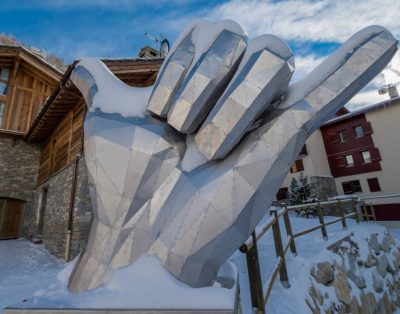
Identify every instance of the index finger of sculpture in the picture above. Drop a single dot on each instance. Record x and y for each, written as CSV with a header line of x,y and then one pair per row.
x,y
263,76
219,49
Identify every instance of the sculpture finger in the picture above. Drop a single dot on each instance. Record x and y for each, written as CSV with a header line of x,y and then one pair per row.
x,y
172,72
219,48
263,76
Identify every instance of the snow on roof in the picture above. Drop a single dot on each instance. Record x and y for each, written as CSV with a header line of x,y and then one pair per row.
x,y
380,105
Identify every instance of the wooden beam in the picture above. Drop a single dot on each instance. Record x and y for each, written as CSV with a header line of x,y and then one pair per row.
x,y
13,87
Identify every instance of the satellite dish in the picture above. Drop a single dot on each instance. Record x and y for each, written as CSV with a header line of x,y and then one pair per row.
x,y
164,48
382,91
161,41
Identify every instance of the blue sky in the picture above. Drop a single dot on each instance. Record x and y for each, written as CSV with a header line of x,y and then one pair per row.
x,y
74,29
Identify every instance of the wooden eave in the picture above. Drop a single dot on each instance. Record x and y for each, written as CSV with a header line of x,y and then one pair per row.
x,y
136,72
35,64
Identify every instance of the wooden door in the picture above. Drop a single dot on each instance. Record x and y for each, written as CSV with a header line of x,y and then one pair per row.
x,y
10,217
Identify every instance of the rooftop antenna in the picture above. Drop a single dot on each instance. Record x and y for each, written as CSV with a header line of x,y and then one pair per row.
x,y
161,42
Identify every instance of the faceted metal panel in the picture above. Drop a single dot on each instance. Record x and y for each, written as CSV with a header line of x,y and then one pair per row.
x,y
263,78
145,202
206,80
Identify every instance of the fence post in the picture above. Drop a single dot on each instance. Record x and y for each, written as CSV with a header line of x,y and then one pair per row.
x,y
372,211
321,221
354,208
283,275
339,204
365,211
255,282
289,231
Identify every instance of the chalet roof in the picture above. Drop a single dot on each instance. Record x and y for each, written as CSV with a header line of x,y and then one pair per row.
x,y
10,53
378,106
133,71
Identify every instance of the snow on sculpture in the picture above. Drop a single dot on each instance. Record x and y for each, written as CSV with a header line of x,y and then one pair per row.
x,y
193,199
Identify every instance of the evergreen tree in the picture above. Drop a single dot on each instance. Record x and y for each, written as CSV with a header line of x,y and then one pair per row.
x,y
294,192
304,187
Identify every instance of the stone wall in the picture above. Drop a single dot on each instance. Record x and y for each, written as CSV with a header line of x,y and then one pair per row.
x,y
19,165
56,211
323,187
364,278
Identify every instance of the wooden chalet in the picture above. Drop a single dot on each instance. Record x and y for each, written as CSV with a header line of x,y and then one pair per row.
x,y
59,124
26,80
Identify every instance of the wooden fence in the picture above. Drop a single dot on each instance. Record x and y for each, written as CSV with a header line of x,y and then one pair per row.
x,y
259,293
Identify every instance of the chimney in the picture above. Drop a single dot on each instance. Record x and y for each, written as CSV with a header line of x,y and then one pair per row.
x,y
392,90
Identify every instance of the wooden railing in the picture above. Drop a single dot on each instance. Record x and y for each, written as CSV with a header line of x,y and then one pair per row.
x,y
259,293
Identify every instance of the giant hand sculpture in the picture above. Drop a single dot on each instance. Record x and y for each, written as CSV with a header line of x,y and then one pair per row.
x,y
190,181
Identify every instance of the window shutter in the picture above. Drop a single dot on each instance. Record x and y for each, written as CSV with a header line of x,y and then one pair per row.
x,y
367,128
340,162
347,188
281,195
299,165
373,184
334,138
375,154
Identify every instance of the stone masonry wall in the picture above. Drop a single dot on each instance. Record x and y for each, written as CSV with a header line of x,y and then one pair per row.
x,y
19,165
323,187
55,222
362,279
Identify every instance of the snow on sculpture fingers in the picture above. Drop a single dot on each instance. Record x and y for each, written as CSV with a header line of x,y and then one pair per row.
x,y
196,72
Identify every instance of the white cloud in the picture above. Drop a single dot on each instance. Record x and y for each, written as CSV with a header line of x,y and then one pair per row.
x,y
319,21
326,20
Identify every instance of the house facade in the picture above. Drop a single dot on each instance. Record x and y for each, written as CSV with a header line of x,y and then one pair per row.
x,y
363,148
44,193
356,153
26,80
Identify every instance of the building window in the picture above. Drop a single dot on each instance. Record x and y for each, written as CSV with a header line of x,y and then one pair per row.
x,y
4,73
358,131
342,136
297,166
373,184
349,160
2,106
303,151
366,157
351,187
282,194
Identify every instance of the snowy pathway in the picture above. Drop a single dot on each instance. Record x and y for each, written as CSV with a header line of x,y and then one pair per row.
x,y
25,268
28,270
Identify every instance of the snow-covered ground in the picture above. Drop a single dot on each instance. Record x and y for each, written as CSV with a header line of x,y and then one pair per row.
x,y
28,271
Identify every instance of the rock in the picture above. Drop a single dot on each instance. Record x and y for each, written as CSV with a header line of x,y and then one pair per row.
x,y
373,242
396,254
377,282
353,307
387,241
368,303
313,307
354,273
382,264
323,273
384,305
371,261
392,267
355,276
316,296
342,288
341,309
